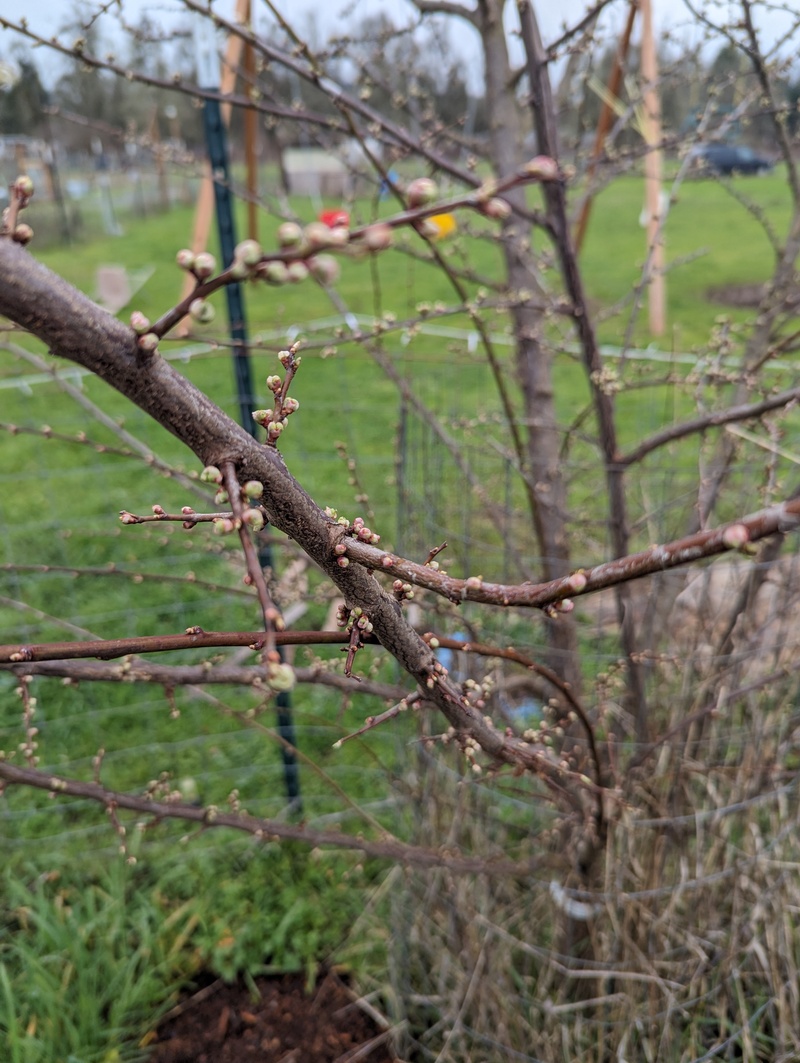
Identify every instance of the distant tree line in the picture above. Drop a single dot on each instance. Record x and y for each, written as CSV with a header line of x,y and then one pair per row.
x,y
414,78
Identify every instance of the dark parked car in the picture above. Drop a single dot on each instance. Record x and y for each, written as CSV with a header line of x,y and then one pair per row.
x,y
730,159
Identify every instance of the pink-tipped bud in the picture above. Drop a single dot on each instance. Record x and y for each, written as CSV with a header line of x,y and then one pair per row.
x,y
498,209
238,270
387,561
262,417
577,582
566,605
185,258
298,272
378,237
274,272
211,475
280,678
205,265
158,511
339,236
340,549
421,192
23,233
325,268
736,536
289,406
202,311
249,252
139,322
317,235
127,518
289,234
542,168
274,383
23,186
254,519
343,562
148,342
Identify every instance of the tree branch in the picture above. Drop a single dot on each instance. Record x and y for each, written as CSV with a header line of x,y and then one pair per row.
x,y
709,420
262,829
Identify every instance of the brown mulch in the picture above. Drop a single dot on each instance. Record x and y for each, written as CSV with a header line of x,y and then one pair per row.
x,y
226,1024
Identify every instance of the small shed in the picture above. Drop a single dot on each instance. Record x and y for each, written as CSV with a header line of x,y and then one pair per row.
x,y
316,172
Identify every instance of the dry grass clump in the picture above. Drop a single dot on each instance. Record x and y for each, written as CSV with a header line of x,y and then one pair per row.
x,y
679,943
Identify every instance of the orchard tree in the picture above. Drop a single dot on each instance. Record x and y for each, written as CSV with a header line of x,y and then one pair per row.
x,y
632,764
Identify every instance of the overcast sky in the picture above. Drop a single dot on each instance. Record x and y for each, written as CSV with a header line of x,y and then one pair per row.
x,y
47,16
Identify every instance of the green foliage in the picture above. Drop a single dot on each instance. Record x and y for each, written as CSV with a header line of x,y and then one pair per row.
x,y
88,962
83,968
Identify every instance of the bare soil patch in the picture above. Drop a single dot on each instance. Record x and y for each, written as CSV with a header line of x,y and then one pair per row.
x,y
281,1024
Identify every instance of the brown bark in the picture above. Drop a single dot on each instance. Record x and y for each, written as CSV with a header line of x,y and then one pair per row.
x,y
533,359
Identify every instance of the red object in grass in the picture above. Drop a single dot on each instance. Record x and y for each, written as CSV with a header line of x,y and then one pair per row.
x,y
332,218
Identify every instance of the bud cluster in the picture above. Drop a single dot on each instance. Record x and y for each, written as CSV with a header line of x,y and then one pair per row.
x,y
21,191
347,619
274,420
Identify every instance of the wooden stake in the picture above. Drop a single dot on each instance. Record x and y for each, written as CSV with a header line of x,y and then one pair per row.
x,y
652,173
604,123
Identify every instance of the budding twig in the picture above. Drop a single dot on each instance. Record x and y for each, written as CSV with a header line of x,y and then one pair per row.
x,y
273,621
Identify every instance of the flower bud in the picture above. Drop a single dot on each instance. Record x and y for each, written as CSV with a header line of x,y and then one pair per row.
x,y
736,536
297,271
254,519
274,272
23,186
289,234
202,311
317,235
576,582
185,258
204,265
498,209
211,475
339,236
421,192
139,322
249,252
325,268
378,237
542,168
253,489
23,234
238,270
280,678
148,342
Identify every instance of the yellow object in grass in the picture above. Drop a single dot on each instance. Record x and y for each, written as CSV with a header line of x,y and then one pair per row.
x,y
445,225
